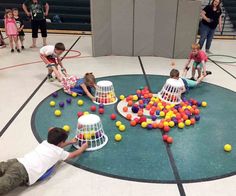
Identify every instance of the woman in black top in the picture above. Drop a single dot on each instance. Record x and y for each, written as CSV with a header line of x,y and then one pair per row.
x,y
211,17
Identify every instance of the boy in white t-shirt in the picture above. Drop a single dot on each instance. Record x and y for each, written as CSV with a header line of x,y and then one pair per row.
x,y
51,57
28,169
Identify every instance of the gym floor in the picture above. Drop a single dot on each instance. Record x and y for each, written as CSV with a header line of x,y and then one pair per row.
x,y
195,164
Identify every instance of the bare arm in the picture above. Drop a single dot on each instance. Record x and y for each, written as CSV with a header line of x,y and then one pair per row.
x,y
46,9
24,7
67,143
45,60
204,17
84,87
78,152
220,23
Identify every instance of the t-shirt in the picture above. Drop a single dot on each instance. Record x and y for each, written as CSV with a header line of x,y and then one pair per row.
x,y
36,9
213,15
43,157
19,24
201,56
48,51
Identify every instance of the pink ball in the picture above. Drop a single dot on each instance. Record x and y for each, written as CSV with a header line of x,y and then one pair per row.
x,y
113,116
93,108
79,114
101,111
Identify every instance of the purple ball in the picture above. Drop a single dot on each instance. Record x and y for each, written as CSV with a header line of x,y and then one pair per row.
x,y
154,117
199,104
184,99
135,109
155,104
175,120
101,105
68,100
98,134
61,104
141,106
197,117
55,94
149,127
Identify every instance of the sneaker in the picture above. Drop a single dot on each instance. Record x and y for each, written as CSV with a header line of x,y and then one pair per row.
x,y
187,68
2,46
50,78
192,78
208,72
22,47
12,50
208,52
18,50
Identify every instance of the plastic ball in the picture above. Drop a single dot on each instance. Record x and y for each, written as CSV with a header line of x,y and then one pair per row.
x,y
93,108
169,140
204,104
162,114
149,126
144,124
98,134
66,128
118,137
181,125
135,98
87,136
57,113
101,111
166,128
197,117
61,104
130,103
171,123
52,103
55,94
164,137
196,111
69,100
101,105
80,102
122,127
193,121
74,94
125,109
79,114
118,123
227,147
135,109
112,116
122,97
142,119
154,117
140,113
128,116
133,123
86,113
188,122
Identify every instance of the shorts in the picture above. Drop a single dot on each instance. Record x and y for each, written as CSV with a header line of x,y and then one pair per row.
x,y
190,83
39,24
197,65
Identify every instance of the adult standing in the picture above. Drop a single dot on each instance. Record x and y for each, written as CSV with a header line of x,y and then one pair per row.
x,y
37,10
211,17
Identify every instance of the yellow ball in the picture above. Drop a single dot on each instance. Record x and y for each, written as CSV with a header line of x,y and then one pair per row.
x,y
135,98
80,102
181,125
122,97
204,104
87,136
118,123
86,113
171,123
74,94
151,102
93,133
168,107
188,122
66,128
162,114
166,124
118,137
52,103
227,147
149,121
144,124
57,113
122,127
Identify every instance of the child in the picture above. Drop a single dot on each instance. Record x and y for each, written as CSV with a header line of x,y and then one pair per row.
x,y
11,30
51,57
2,43
29,168
187,84
80,86
20,27
200,59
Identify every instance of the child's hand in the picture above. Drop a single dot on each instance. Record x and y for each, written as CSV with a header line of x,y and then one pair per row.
x,y
93,99
84,146
73,141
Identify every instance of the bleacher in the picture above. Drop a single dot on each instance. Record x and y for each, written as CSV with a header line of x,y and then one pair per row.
x,y
74,14
230,7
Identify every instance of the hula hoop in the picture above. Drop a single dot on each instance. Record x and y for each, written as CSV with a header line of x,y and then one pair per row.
x,y
222,55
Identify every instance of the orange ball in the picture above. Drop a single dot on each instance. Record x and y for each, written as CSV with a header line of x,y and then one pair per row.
x,y
193,121
140,102
129,116
140,113
160,125
169,140
155,125
125,109
130,103
133,123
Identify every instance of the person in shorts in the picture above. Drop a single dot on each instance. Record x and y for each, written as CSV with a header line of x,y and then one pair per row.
x,y
20,27
51,57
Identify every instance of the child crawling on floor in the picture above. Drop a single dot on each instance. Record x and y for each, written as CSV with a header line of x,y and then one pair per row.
x,y
29,168
81,86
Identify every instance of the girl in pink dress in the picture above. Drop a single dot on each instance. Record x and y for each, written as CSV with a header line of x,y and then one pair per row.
x,y
11,30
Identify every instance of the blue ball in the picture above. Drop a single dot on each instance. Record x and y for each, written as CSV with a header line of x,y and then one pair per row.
x,y
101,105
61,104
55,94
157,112
197,117
135,109
149,127
68,100
199,104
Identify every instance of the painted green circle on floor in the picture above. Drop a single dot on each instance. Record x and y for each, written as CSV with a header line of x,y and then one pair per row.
x,y
141,155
